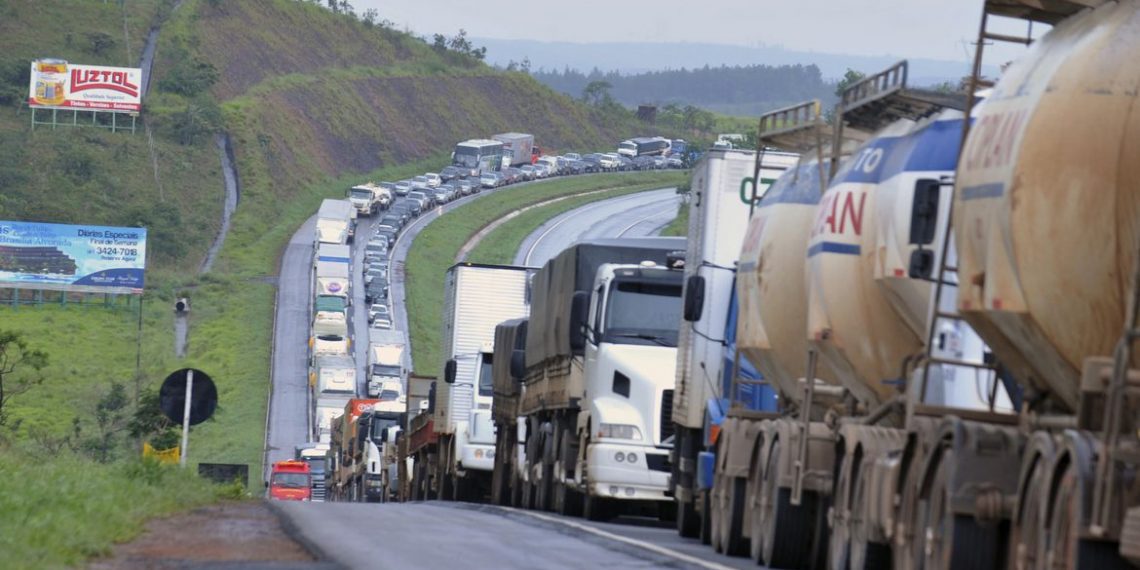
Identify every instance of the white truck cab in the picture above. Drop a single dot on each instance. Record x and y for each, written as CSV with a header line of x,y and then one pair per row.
x,y
630,353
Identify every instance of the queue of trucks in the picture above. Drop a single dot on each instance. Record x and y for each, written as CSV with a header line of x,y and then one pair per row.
x,y
901,337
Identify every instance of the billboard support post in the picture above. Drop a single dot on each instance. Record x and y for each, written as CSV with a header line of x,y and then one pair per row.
x,y
186,417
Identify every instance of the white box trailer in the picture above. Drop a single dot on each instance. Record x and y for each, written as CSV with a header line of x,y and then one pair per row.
x,y
477,298
335,220
718,219
517,148
332,270
386,359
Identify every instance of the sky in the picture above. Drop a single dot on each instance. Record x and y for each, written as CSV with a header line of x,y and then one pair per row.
x,y
936,29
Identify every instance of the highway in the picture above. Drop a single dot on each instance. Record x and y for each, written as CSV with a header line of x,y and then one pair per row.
x,y
632,215
358,535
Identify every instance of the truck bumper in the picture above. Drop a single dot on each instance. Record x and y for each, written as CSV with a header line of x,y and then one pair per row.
x,y
626,479
478,456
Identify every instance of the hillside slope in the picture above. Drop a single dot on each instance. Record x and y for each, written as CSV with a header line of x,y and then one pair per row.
x,y
313,101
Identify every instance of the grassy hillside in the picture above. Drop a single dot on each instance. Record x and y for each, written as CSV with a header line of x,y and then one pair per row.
x,y
312,101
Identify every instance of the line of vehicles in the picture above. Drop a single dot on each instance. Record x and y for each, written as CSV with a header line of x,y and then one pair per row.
x,y
355,421
898,338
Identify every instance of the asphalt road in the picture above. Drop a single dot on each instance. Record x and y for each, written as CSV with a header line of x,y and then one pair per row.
x,y
456,535
633,215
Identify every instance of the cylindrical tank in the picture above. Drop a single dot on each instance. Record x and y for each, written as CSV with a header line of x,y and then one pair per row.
x,y
865,315
1047,201
773,303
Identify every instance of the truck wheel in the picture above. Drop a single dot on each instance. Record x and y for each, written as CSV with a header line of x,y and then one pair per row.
x,y
597,508
458,488
706,518
417,482
516,489
569,501
447,487
546,480
732,523
789,533
839,547
688,521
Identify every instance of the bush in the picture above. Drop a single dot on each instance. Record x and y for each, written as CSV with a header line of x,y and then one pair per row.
x,y
189,76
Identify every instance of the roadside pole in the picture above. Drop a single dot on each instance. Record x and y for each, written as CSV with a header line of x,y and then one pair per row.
x,y
186,417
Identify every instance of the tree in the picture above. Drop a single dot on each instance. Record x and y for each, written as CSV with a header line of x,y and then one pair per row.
x,y
439,43
100,43
369,17
850,78
110,419
597,92
16,361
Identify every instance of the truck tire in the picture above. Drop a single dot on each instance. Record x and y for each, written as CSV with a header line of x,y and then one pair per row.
x,y
788,529
733,542
597,508
716,534
546,480
417,482
458,488
688,521
706,518
516,493
447,487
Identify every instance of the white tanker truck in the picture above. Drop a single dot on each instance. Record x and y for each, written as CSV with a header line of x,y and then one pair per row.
x,y
923,427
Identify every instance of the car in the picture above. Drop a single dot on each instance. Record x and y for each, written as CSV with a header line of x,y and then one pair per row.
x,y
376,291
464,186
674,162
391,235
423,198
378,310
403,187
420,183
491,180
529,171
433,180
450,173
610,161
373,256
543,170
402,210
394,220
374,248
383,324
512,175
572,156
593,162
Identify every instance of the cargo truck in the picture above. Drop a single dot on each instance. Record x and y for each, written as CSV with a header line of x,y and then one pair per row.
x,y
477,298
721,200
510,427
326,407
599,374
333,375
385,360
349,451
336,221
369,199
290,481
315,454
331,273
517,148
330,315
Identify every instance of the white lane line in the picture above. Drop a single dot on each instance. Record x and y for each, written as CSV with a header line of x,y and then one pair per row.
x,y
625,540
639,222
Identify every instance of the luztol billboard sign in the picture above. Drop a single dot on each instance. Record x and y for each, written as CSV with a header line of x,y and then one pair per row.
x,y
89,259
58,84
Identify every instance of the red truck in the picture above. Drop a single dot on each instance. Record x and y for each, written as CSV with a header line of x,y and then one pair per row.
x,y
291,481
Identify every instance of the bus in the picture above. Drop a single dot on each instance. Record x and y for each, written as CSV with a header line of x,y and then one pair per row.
x,y
645,146
477,156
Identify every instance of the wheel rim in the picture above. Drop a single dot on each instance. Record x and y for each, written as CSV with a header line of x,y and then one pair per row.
x,y
858,541
939,529
1025,536
756,508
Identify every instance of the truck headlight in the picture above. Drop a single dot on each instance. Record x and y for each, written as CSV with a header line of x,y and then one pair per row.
x,y
620,431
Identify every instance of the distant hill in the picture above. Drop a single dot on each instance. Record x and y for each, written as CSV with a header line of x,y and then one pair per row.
x,y
641,57
741,90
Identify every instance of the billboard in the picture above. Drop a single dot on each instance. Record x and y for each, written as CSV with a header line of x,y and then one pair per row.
x,y
88,259
58,84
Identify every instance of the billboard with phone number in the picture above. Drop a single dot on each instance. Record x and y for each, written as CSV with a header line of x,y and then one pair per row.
x,y
58,84
90,259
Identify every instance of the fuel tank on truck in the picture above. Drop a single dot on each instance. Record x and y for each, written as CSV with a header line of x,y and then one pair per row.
x,y
770,286
865,315
1047,201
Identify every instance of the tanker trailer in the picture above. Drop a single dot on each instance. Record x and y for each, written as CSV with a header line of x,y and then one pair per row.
x,y
1047,212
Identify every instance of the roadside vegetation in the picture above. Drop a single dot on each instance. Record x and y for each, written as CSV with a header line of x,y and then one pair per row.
x,y
435,247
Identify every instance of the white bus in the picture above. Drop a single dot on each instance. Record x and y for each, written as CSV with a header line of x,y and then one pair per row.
x,y
477,156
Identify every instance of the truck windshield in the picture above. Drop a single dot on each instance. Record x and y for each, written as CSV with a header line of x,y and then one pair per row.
x,y
362,194
383,370
379,424
291,480
641,312
486,381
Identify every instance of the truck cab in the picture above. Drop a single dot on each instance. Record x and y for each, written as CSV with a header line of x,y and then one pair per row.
x,y
373,429
475,443
629,340
290,481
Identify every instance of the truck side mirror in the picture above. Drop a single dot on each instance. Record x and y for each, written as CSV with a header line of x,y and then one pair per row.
x,y
924,211
449,371
431,399
579,315
694,298
518,365
384,434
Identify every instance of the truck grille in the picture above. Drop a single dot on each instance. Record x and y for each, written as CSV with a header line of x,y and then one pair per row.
x,y
666,425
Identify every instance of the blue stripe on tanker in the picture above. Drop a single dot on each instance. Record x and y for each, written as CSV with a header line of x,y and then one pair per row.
x,y
934,148
331,258
834,247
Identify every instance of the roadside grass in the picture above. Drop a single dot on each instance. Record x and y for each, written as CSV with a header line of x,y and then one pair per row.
x,y
435,248
500,246
61,510
679,227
